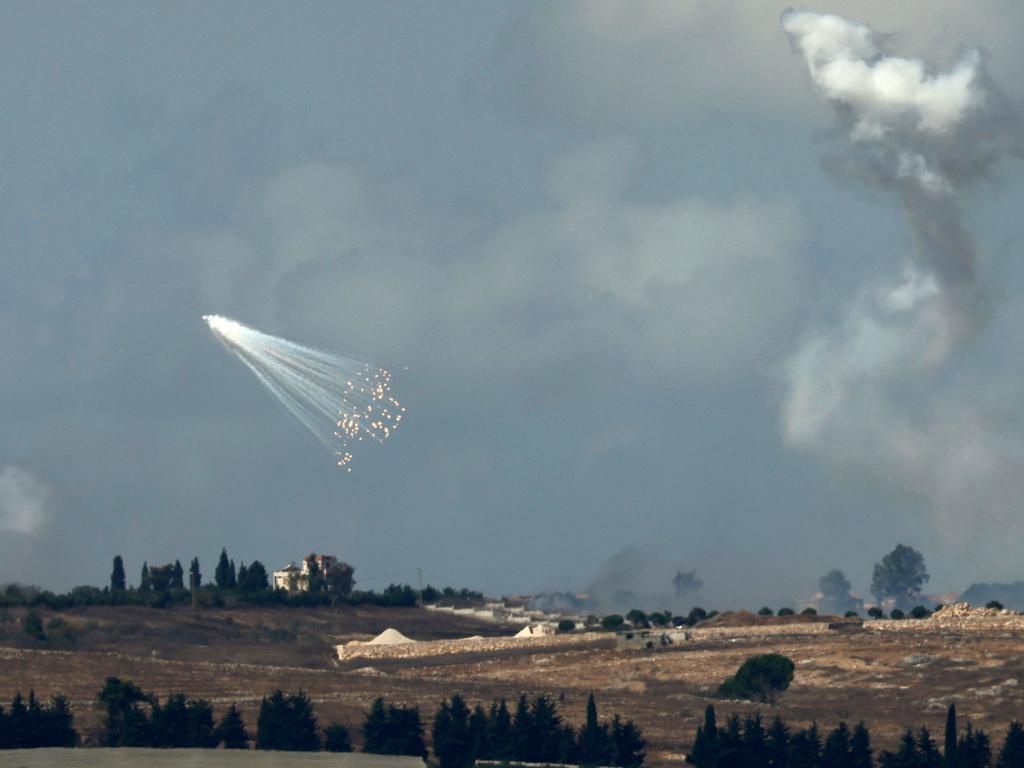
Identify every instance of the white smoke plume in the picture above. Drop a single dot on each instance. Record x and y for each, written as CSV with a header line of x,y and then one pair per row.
x,y
24,501
868,393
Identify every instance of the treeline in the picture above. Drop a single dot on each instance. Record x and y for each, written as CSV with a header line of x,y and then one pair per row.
x,y
535,733
750,744
163,586
30,724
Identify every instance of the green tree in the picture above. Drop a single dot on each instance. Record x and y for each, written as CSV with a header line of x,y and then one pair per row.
x,y
255,579
778,744
900,575
222,573
177,576
860,747
973,750
336,738
125,723
755,743
1012,753
630,747
453,742
287,723
393,730
595,744
145,583
117,581
195,577
805,748
32,625
232,575
341,580
499,732
949,742
760,677
231,730
612,621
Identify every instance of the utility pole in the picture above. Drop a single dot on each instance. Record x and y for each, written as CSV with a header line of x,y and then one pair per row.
x,y
419,574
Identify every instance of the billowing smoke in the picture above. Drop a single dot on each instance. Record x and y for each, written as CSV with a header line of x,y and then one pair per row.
x,y
24,501
868,392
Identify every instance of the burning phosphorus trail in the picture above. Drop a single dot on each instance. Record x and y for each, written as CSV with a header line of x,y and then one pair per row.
x,y
338,399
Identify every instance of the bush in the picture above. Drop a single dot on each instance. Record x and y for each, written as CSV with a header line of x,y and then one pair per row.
x,y
336,738
851,615
766,611
760,677
994,604
896,613
920,612
786,611
808,612
697,614
612,621
566,625
637,618
32,625
875,612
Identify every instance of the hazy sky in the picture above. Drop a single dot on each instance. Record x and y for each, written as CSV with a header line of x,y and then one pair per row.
x,y
600,235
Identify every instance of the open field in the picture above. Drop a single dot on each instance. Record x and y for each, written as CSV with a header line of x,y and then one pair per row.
x,y
891,674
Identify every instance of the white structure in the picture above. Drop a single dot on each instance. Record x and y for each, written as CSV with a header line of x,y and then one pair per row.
x,y
294,578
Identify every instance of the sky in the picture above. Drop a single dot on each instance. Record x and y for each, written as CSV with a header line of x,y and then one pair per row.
x,y
667,294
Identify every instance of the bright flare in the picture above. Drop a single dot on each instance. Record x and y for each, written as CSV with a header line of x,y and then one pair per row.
x,y
338,399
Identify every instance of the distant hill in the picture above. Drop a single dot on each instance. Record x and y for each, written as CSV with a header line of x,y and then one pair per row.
x,y
1010,595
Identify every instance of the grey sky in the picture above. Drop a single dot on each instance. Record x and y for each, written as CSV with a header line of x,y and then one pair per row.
x,y
594,232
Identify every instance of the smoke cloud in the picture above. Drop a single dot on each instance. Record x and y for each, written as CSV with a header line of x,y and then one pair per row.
x,y
24,501
868,392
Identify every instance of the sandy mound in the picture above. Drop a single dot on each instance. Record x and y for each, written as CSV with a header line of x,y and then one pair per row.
x,y
390,637
538,630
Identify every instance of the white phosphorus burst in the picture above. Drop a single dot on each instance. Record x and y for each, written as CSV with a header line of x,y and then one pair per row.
x,y
338,399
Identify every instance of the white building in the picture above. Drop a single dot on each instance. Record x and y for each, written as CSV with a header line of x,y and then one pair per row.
x,y
295,578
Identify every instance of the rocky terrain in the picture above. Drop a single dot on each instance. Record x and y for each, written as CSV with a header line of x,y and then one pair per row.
x,y
889,673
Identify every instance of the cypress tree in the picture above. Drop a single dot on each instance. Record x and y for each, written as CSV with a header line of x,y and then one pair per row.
x,y
232,576
145,582
177,576
594,740
221,576
117,580
195,578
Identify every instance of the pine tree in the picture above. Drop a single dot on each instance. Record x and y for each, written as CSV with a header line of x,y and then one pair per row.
x,y
836,753
973,749
232,576
628,743
1012,753
243,577
755,744
375,728
195,578
905,756
231,730
499,732
453,743
860,747
479,732
778,744
145,583
950,740
522,732
730,744
805,748
117,580
927,752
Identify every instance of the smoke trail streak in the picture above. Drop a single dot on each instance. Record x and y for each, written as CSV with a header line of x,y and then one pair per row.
x,y
338,399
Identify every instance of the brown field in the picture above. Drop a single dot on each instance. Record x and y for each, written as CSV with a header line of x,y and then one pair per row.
x,y
892,674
